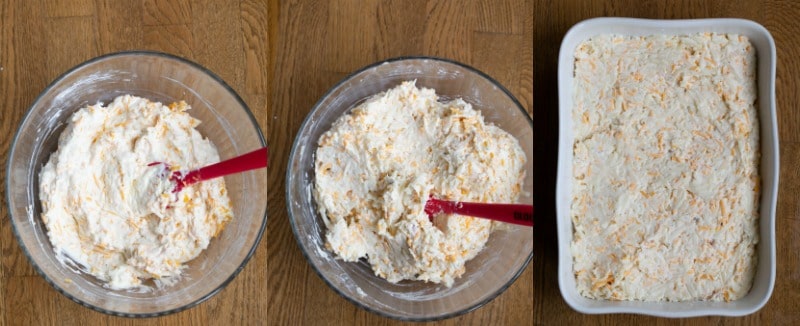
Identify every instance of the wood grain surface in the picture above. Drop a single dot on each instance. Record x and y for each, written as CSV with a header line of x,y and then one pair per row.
x,y
552,19
280,56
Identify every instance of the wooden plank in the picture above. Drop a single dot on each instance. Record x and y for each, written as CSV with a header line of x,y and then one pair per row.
x,y
173,39
502,16
218,45
448,29
69,8
778,19
350,31
255,21
524,90
401,25
782,307
114,36
23,76
166,12
24,290
35,302
497,55
69,41
295,88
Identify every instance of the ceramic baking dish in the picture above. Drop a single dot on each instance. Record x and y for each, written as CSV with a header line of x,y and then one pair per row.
x,y
766,60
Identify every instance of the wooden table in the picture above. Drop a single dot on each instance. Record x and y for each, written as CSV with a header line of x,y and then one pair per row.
x,y
280,56
552,19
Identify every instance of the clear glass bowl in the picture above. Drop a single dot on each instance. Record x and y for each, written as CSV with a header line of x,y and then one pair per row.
x,y
487,275
226,121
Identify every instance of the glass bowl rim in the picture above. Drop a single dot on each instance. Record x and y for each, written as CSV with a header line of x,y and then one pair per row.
x,y
293,152
48,88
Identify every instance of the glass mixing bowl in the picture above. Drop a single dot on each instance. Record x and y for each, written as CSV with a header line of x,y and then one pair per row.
x,y
226,121
488,274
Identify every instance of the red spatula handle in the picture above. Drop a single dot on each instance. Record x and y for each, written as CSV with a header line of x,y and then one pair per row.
x,y
254,160
510,213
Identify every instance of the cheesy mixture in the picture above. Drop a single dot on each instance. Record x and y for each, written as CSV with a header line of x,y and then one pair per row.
x,y
376,167
666,155
108,211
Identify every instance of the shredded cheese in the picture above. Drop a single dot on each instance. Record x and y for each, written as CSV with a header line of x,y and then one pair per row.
x,y
666,153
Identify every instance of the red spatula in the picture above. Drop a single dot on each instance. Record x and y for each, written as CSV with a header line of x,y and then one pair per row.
x,y
520,214
254,160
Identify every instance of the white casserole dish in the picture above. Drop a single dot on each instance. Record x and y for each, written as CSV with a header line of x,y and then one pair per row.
x,y
766,60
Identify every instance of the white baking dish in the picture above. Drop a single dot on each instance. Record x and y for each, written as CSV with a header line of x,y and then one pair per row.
x,y
766,60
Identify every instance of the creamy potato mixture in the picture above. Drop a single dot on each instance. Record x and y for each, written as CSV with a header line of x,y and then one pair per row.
x,y
108,211
666,156
377,165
